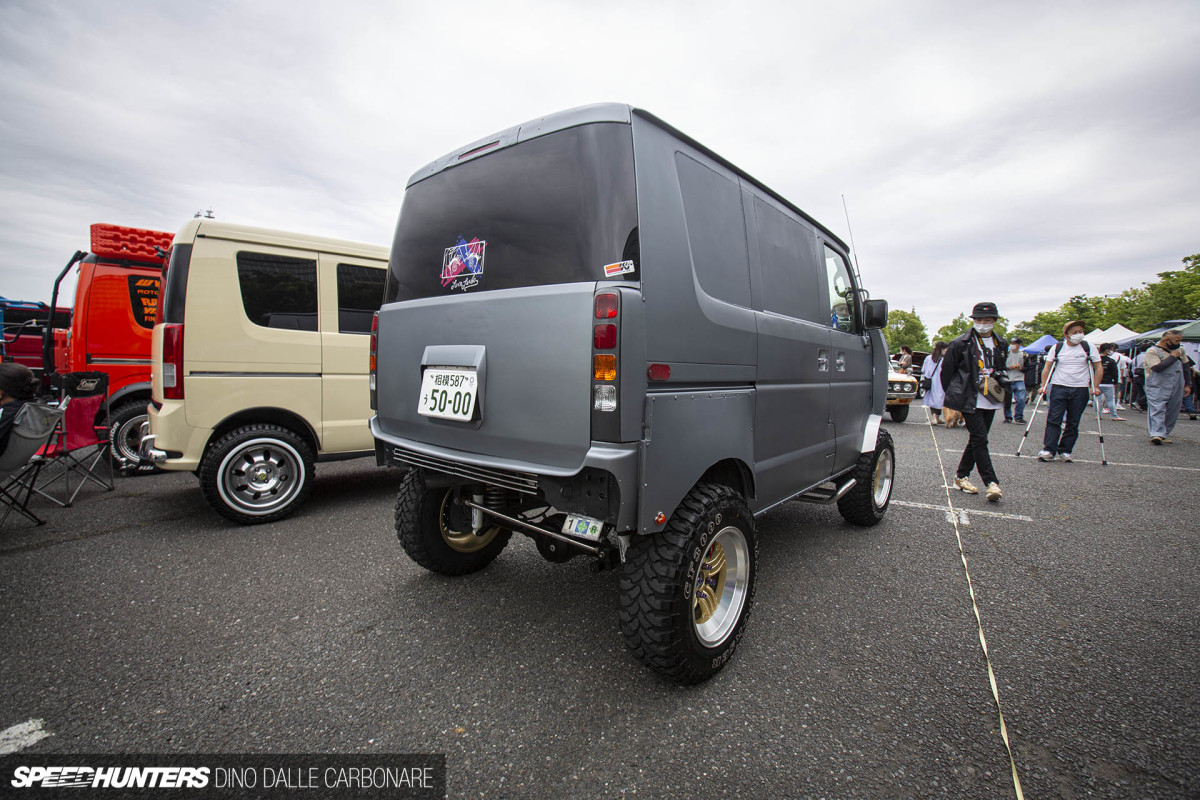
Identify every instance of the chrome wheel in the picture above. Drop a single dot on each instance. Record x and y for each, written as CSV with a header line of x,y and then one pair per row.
x,y
721,587
459,537
261,476
881,484
126,438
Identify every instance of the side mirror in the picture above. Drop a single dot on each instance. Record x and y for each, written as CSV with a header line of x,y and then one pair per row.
x,y
875,314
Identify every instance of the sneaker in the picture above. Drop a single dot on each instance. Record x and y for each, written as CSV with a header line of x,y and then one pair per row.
x,y
1104,411
1020,420
1156,440
1064,456
1007,420
1045,455
1167,440
1120,407
993,492
965,485
1191,416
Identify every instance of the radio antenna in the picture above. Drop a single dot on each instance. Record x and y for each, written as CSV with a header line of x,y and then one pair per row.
x,y
853,249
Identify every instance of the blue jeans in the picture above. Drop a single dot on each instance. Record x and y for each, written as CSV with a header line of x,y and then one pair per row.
x,y
1108,396
1016,393
1066,402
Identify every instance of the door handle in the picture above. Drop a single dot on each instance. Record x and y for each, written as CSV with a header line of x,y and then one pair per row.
x,y
841,362
822,361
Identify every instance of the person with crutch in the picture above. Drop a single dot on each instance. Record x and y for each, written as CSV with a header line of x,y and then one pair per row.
x,y
1068,380
973,377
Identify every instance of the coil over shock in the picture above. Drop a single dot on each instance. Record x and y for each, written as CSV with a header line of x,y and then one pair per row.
x,y
498,499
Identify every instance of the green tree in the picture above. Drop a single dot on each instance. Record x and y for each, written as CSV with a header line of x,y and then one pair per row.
x,y
957,327
905,327
1175,295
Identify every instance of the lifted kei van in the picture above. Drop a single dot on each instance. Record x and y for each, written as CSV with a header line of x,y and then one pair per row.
x,y
600,334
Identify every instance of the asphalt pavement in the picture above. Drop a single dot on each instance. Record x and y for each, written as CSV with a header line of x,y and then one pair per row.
x,y
140,621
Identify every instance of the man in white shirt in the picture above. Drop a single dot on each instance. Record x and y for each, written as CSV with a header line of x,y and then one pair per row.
x,y
1124,365
1067,377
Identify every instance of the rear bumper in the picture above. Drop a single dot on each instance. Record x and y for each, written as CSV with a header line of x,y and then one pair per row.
x,y
620,460
170,442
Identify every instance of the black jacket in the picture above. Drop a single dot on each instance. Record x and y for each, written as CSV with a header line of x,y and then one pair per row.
x,y
8,415
960,371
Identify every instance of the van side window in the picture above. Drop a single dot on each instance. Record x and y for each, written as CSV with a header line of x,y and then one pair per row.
x,y
716,228
787,254
842,313
278,291
359,293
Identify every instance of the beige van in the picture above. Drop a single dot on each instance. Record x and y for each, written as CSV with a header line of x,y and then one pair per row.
x,y
261,361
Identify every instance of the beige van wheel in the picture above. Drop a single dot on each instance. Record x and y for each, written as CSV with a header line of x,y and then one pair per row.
x,y
256,473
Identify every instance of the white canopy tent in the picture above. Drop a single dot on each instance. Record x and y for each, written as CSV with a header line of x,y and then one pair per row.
x,y
1116,333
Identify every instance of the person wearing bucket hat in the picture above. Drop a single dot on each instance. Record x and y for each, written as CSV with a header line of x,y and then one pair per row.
x,y
974,377
17,385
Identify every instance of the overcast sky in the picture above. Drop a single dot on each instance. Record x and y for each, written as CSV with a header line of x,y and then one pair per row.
x,y
1016,152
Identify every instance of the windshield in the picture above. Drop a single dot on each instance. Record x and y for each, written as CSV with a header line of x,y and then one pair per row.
x,y
560,208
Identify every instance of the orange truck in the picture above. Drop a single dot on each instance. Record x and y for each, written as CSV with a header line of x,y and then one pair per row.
x,y
116,302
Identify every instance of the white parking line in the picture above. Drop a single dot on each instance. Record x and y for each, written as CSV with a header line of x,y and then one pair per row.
x,y
963,515
18,737
1086,461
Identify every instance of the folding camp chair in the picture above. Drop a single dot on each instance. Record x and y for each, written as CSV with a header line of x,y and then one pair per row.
x,y
80,446
18,465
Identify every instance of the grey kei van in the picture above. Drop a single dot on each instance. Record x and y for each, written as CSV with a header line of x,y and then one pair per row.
x,y
600,334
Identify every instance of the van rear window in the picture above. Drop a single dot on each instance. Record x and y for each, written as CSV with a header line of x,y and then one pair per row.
x,y
561,208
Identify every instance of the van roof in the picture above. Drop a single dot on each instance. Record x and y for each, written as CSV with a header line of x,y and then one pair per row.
x,y
584,115
202,228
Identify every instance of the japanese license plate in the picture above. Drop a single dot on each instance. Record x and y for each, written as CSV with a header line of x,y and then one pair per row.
x,y
448,393
583,527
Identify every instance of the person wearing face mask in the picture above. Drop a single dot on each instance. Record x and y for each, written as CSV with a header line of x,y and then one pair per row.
x,y
973,377
1015,363
1168,373
1070,380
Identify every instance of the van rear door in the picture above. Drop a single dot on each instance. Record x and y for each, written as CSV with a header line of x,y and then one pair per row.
x,y
351,292
493,271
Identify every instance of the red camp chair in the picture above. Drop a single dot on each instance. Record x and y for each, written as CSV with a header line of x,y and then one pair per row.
x,y
80,446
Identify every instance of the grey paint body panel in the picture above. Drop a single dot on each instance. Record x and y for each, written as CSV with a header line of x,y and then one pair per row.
x,y
687,431
533,349
787,397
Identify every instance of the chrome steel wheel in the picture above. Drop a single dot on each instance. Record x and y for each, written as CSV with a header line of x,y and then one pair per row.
x,y
127,437
261,476
721,587
463,541
881,484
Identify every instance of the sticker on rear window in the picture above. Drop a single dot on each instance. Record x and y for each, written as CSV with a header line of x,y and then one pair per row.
x,y
462,264
620,268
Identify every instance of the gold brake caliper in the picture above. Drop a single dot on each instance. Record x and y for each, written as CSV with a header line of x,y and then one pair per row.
x,y
710,584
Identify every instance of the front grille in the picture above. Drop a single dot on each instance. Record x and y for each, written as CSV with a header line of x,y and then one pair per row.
x,y
523,482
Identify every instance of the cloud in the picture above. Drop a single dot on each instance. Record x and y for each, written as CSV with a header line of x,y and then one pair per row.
x,y
1019,153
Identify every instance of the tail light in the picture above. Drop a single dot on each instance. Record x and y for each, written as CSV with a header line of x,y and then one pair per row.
x,y
374,348
172,358
604,361
374,338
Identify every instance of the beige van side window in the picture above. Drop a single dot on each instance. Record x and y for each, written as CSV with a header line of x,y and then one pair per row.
x,y
359,294
278,291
